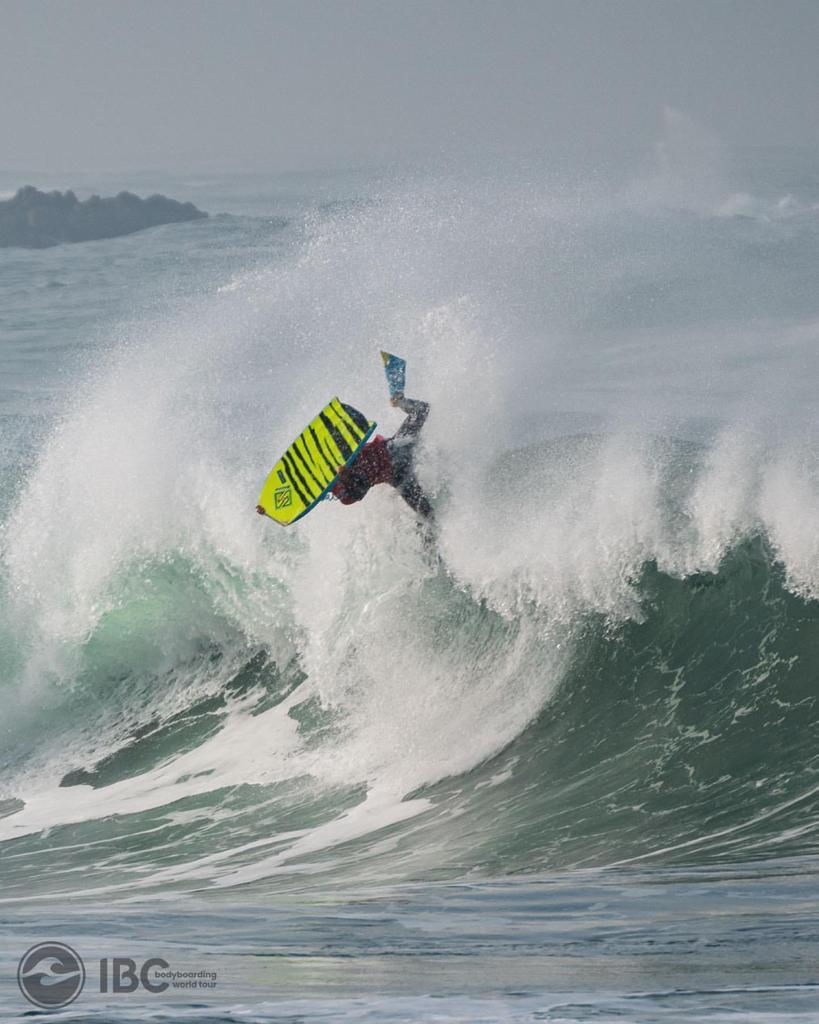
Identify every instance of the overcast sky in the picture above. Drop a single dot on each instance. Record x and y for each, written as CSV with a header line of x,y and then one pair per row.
x,y
293,84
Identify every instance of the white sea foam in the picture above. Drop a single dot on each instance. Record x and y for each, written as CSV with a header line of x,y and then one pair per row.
x,y
521,308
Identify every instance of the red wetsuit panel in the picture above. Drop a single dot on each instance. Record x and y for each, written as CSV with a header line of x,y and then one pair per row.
x,y
373,465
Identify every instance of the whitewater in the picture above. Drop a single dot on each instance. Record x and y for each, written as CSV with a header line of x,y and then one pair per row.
x,y
566,768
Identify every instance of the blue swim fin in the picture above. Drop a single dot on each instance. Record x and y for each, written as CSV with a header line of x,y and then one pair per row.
x,y
396,370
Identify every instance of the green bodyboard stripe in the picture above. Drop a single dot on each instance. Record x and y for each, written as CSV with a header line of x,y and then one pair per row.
x,y
343,422
327,440
347,421
338,438
296,478
331,469
318,466
306,463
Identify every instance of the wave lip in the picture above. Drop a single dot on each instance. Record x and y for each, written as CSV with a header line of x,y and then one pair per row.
x,y
612,659
684,735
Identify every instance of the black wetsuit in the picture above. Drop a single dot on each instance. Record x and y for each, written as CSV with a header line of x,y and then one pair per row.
x,y
402,453
389,461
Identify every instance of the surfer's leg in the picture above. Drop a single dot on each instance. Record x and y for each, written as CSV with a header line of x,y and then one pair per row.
x,y
401,446
402,450
413,494
417,412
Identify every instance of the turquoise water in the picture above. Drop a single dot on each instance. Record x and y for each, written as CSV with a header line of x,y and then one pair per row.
x,y
563,770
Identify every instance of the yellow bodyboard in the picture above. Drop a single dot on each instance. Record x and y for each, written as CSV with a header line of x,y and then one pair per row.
x,y
308,469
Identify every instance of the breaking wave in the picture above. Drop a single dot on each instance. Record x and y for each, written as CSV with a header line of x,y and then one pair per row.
x,y
611,655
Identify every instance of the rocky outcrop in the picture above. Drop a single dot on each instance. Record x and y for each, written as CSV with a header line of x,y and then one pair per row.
x,y
36,220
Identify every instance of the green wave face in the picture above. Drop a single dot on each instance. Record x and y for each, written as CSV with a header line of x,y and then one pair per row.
x,y
420,725
609,658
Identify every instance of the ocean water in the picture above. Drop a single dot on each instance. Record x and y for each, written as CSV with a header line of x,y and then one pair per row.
x,y
565,768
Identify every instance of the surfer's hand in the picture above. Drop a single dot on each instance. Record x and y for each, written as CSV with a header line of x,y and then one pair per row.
x,y
260,510
396,400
